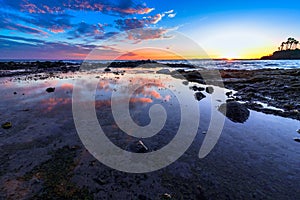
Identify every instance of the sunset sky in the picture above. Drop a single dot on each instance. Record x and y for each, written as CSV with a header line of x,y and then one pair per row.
x,y
71,29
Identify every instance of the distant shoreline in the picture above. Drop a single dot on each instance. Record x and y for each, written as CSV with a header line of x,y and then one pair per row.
x,y
284,55
79,60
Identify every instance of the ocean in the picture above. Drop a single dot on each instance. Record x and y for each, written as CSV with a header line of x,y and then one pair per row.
x,y
207,63
241,64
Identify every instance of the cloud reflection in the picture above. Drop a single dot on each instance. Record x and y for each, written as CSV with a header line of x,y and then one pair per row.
x,y
145,94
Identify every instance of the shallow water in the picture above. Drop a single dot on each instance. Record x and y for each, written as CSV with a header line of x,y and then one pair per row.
x,y
255,159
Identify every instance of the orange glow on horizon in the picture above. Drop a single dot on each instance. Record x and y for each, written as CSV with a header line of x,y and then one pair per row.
x,y
161,54
152,54
254,53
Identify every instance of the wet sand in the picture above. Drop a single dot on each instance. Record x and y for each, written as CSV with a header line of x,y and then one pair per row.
x,y
42,155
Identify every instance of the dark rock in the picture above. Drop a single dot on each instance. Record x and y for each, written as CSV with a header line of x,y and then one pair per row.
x,y
138,147
254,106
193,76
166,196
180,71
185,82
297,139
235,111
107,70
15,93
199,96
298,131
50,89
6,125
230,100
276,87
228,94
209,90
288,106
163,71
195,88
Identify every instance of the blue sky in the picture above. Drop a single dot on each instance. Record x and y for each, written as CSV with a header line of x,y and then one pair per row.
x,y
70,29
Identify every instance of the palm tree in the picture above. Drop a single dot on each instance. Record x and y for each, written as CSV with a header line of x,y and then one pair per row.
x,y
293,42
282,46
287,43
290,43
296,42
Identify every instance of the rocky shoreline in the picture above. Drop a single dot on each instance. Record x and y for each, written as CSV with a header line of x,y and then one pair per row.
x,y
277,88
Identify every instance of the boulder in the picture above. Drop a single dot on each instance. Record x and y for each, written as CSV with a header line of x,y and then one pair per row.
x,y
50,89
209,90
195,88
6,125
199,96
297,139
235,111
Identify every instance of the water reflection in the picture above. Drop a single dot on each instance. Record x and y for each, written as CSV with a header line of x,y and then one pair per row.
x,y
153,91
52,103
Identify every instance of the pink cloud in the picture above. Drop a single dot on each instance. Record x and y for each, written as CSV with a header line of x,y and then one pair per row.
x,y
156,18
60,6
140,11
58,30
141,100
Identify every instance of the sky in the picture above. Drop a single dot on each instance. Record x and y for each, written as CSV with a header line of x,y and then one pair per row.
x,y
133,29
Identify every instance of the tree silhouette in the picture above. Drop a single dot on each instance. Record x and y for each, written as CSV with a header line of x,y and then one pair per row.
x,y
296,42
282,46
290,44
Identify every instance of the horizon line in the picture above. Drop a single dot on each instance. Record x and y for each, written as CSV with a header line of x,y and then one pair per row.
x,y
47,59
